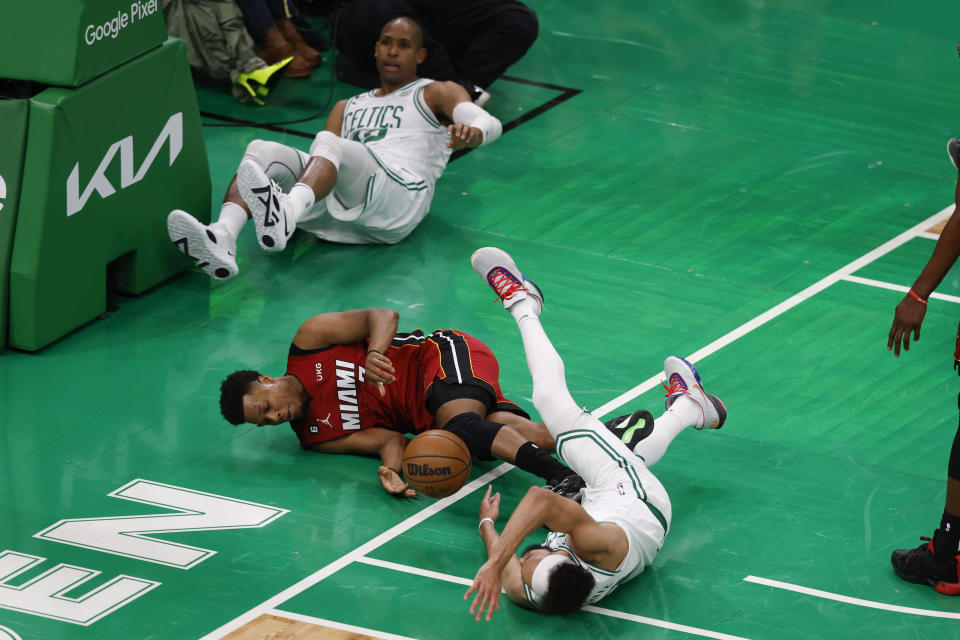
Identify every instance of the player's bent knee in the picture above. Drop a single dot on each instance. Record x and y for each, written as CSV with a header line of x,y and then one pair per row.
x,y
327,145
259,150
478,434
552,400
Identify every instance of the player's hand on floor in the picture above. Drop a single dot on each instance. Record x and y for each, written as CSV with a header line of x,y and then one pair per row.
x,y
487,586
462,136
394,484
906,319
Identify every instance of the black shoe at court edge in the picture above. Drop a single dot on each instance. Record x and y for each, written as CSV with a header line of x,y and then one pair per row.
x,y
922,566
569,486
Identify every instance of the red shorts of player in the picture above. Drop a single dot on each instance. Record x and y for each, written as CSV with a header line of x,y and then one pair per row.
x,y
455,365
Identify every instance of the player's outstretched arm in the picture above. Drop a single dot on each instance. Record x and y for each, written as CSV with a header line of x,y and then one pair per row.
x,y
510,575
375,441
909,314
539,507
471,125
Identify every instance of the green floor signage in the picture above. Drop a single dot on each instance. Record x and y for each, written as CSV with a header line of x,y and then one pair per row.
x,y
103,166
76,40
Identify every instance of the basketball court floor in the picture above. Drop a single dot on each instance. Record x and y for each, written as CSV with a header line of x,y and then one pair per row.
x,y
752,184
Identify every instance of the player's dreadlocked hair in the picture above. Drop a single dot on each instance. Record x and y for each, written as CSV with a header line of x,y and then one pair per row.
x,y
567,589
232,390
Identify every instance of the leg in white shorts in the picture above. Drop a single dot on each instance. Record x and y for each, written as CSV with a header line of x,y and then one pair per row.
x,y
367,204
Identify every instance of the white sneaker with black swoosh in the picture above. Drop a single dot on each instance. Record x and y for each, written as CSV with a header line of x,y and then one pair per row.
x,y
213,251
267,204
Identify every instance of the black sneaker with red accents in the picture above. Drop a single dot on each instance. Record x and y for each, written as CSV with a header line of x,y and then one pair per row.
x,y
922,566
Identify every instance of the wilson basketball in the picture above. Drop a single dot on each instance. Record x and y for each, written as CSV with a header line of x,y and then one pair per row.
x,y
436,463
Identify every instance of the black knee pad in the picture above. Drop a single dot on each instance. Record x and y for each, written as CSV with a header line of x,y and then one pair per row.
x,y
476,433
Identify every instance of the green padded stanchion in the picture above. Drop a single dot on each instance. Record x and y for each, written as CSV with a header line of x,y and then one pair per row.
x,y
69,42
104,165
13,132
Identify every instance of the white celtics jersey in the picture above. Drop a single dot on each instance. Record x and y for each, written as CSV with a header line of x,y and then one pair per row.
x,y
401,131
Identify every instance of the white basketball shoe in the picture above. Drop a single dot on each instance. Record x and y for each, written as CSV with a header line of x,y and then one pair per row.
x,y
213,251
499,270
268,206
683,379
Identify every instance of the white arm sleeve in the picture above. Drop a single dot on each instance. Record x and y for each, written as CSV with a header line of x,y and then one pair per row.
x,y
473,116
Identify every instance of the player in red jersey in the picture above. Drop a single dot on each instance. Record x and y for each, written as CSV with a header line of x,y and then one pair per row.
x,y
355,385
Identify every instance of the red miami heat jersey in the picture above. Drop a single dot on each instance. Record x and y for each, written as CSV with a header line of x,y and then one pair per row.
x,y
341,402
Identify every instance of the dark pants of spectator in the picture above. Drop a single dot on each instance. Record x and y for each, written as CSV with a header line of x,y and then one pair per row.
x,y
467,41
260,15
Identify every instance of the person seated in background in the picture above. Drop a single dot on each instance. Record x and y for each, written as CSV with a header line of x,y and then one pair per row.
x,y
220,49
471,42
269,21
369,177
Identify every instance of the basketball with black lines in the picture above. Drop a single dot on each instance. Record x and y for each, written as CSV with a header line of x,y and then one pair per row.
x,y
436,463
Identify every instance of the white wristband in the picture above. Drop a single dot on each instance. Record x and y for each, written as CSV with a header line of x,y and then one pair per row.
x,y
473,116
480,526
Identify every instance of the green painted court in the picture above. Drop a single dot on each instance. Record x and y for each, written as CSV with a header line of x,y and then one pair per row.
x,y
747,183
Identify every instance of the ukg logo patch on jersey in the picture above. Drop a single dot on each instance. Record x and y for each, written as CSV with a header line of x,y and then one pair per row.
x,y
319,368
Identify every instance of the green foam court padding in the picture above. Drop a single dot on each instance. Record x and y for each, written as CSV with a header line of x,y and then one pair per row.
x,y
13,132
69,42
104,165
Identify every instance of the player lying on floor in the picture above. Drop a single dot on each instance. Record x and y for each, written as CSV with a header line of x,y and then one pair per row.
x,y
355,385
623,518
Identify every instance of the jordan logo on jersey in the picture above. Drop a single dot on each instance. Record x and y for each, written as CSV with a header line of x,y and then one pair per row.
x,y
325,421
347,395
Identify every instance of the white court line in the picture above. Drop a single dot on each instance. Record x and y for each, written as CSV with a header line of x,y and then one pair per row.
x,y
897,287
336,625
847,599
927,234
654,622
784,306
706,633
359,552
417,571
620,400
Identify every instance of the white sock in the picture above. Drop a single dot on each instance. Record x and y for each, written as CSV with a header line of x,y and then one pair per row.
x,y
302,198
550,394
521,308
231,220
666,428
